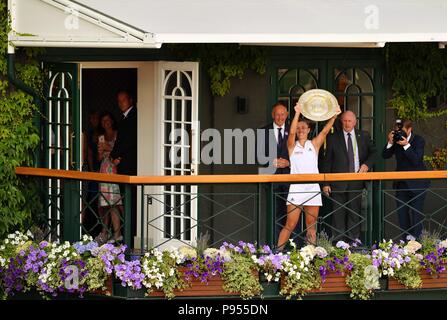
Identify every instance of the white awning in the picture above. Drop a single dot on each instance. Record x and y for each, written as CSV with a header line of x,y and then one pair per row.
x,y
150,23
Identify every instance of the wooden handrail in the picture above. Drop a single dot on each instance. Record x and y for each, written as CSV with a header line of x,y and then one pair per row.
x,y
230,178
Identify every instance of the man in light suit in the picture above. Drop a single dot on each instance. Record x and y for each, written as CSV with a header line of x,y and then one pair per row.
x,y
347,150
280,129
409,153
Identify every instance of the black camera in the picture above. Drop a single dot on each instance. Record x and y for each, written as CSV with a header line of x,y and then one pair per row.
x,y
399,133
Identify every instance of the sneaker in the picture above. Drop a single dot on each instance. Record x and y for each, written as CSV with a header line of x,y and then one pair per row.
x,y
116,239
100,239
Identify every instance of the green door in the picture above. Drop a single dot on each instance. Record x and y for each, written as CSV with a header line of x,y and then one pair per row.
x,y
61,148
357,85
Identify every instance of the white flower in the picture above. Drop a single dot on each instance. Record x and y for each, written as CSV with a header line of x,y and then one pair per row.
x,y
419,256
308,252
320,252
443,244
226,255
413,246
371,274
292,244
211,252
188,252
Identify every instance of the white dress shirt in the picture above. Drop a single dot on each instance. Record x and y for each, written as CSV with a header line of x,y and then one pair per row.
x,y
283,131
389,145
127,112
355,147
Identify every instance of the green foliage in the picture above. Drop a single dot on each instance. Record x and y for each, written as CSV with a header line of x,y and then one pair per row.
x,y
161,273
301,275
323,240
418,72
438,159
429,240
18,136
223,62
356,280
298,287
239,276
202,243
408,274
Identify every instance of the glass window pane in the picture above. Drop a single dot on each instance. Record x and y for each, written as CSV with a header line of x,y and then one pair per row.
x,y
187,111
178,110
353,104
363,81
367,125
287,81
171,83
343,78
297,91
186,84
307,79
367,106
168,109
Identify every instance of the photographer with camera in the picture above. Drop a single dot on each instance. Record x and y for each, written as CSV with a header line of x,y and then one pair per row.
x,y
408,149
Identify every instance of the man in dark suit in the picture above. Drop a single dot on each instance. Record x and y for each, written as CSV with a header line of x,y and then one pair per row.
x,y
409,152
347,150
278,132
125,149
124,153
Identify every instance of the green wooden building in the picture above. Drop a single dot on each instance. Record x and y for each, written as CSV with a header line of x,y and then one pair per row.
x,y
95,48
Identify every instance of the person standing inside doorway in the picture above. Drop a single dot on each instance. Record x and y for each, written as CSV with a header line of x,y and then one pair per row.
x,y
110,202
124,153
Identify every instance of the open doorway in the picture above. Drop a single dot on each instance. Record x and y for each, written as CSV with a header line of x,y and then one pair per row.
x,y
100,87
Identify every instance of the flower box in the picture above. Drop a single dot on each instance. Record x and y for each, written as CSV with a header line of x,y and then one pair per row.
x,y
334,283
109,288
125,291
271,288
214,287
428,281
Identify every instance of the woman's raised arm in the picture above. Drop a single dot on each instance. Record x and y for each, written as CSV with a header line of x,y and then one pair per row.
x,y
319,139
292,131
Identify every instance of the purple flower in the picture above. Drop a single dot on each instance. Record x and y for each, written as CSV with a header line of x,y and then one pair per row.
x,y
343,245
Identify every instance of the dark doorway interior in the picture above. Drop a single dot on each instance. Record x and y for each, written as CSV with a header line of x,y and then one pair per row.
x,y
100,86
99,94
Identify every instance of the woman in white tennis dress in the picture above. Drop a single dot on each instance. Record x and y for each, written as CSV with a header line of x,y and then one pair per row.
x,y
303,154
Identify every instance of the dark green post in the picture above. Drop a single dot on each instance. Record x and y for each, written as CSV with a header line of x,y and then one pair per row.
x,y
369,218
271,208
70,211
142,220
127,215
378,213
258,214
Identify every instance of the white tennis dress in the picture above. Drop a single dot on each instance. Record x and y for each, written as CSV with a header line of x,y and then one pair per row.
x,y
304,160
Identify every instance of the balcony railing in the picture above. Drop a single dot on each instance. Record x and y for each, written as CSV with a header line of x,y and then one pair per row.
x,y
228,207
